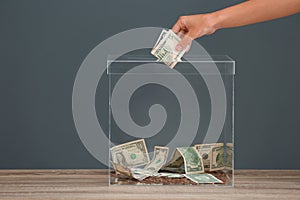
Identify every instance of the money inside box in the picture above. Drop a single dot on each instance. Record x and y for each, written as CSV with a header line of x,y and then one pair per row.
x,y
171,126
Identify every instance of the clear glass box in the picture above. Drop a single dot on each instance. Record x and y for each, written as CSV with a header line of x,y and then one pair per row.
x,y
188,109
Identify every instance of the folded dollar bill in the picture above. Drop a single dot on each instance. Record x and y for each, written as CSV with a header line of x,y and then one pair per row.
x,y
160,157
165,48
185,160
216,156
130,154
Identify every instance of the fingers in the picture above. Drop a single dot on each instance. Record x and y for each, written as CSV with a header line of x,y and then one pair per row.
x,y
181,34
179,25
181,30
185,43
176,28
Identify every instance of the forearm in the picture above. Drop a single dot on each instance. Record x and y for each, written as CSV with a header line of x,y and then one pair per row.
x,y
254,11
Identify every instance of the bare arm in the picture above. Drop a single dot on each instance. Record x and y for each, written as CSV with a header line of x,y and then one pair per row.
x,y
249,12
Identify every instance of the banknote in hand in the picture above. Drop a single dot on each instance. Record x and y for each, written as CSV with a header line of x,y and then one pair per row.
x,y
165,48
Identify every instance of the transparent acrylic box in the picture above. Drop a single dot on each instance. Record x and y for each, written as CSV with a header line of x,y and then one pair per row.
x,y
188,109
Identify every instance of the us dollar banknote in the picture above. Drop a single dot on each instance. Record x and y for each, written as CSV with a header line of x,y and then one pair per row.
x,y
221,157
205,152
161,36
185,160
160,157
131,154
175,164
192,160
217,161
165,48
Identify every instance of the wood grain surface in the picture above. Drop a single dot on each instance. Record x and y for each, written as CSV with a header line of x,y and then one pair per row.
x,y
93,184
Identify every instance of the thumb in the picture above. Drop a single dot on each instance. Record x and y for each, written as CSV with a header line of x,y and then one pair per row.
x,y
185,43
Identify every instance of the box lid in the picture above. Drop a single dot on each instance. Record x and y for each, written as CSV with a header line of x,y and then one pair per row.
x,y
191,64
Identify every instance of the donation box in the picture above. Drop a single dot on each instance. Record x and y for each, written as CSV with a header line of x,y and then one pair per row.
x,y
171,126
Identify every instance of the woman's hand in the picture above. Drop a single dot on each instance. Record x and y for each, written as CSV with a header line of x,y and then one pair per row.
x,y
249,12
193,26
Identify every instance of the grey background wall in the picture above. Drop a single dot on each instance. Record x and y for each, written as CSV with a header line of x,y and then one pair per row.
x,y
42,44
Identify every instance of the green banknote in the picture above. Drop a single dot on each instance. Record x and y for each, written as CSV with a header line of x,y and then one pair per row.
x,y
130,154
159,158
185,160
217,157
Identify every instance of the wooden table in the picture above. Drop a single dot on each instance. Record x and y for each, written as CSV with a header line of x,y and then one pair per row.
x,y
93,184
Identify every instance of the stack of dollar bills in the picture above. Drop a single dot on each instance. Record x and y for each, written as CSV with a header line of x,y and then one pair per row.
x,y
165,48
132,160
